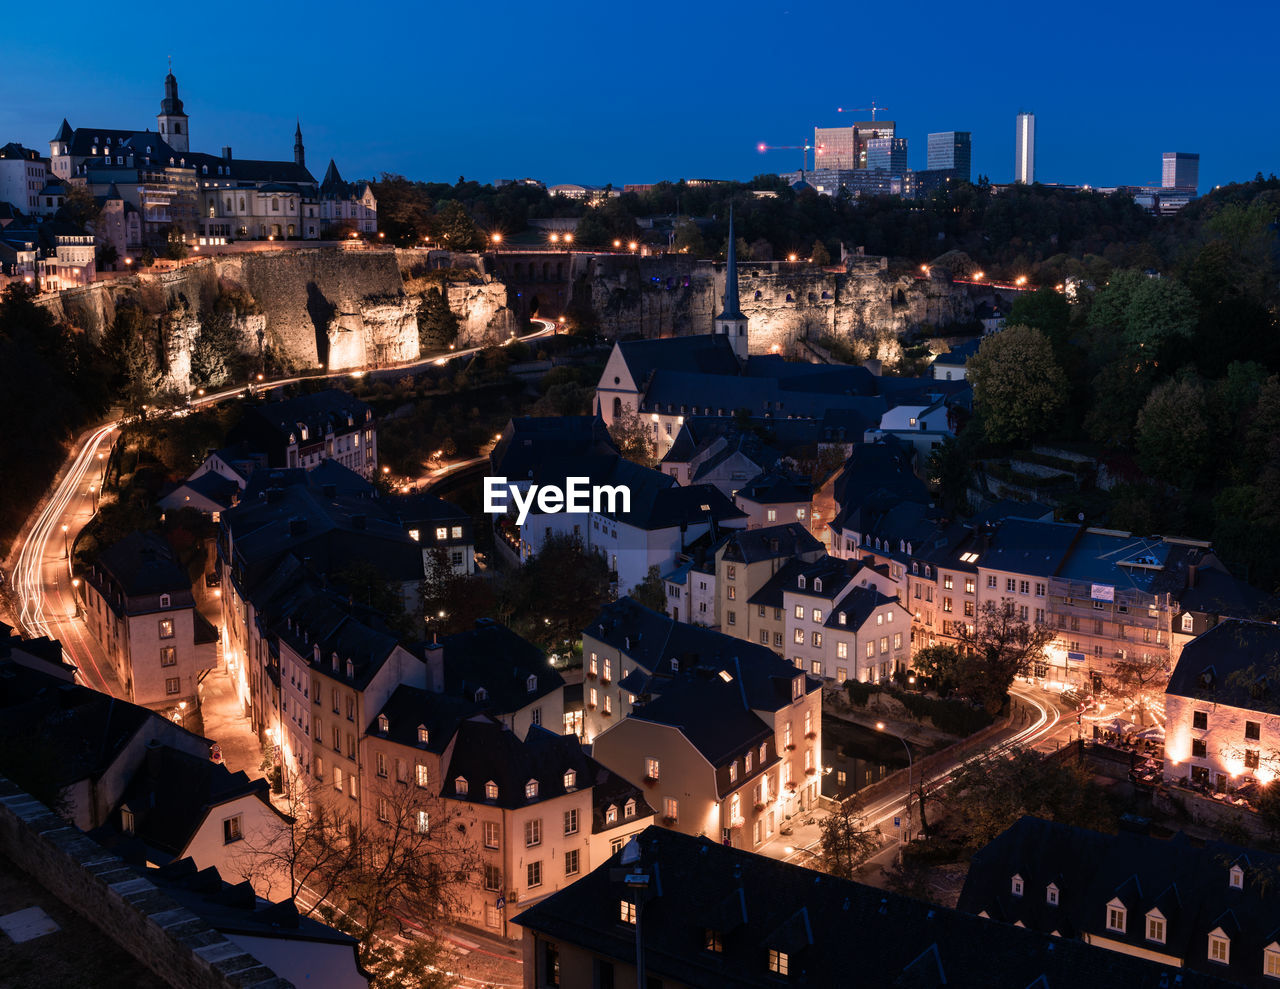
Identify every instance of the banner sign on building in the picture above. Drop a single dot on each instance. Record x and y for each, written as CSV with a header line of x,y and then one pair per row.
x,y
1103,592
1076,657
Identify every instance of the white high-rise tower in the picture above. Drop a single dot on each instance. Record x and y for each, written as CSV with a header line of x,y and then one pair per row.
x,y
1024,162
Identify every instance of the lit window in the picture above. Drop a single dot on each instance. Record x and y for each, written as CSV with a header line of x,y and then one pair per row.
x,y
531,790
1116,916
570,779
424,822
1219,948
626,912
460,786
1155,927
778,962
232,829
422,775
651,769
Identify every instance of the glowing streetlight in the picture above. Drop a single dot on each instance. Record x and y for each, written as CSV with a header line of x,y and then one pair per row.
x,y
568,238
496,238
791,256
632,246
93,494
880,727
616,243
554,238
977,275
65,553
1020,280
924,268
75,595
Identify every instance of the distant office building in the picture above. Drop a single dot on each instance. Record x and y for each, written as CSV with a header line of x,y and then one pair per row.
x,y
887,154
846,147
858,181
1181,170
1024,163
951,151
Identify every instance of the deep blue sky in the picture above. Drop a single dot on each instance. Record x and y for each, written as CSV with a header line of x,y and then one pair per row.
x,y
632,92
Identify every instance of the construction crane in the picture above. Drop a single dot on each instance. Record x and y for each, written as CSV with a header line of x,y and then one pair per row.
x,y
804,150
872,109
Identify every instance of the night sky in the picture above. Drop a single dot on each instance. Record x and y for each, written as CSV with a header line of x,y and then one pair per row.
x,y
629,92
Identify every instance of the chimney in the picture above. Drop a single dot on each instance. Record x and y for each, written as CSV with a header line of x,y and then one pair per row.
x,y
226,153
433,655
1192,573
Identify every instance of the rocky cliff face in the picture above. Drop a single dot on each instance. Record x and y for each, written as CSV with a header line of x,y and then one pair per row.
x,y
316,307
866,306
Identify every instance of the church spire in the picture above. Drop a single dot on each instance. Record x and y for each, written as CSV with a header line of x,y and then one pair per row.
x,y
731,322
299,152
731,309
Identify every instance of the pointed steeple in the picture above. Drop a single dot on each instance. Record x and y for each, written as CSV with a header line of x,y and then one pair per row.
x,y
299,152
331,176
731,310
65,133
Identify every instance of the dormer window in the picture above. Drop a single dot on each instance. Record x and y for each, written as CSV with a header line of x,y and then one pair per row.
x,y
629,808
481,695
531,790
126,821
611,814
1016,886
1051,895
843,618
351,670
675,665
532,683
333,662
1155,927
1219,947
570,779
164,600
1117,916
384,724
800,582
460,786
491,790
817,584
1236,877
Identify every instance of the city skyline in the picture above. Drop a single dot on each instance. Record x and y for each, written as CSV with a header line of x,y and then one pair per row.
x,y
546,99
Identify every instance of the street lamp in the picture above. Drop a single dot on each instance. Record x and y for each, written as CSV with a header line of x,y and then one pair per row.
x,y
568,238
182,712
93,493
65,553
75,594
102,469
632,246
880,727
496,238
617,244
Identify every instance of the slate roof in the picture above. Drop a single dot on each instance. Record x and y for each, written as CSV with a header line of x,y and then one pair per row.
x,y
1037,549
835,574
1216,592
257,171
486,751
777,487
652,641
771,542
234,909
492,657
172,793
408,707
1188,882
325,620
142,567
79,732
710,711
704,353
959,354
857,606
756,904
1235,663
528,440
320,411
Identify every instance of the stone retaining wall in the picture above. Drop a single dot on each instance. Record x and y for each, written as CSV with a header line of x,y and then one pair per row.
x,y
170,940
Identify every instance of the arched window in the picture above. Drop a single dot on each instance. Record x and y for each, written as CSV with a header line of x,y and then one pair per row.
x,y
275,204
617,408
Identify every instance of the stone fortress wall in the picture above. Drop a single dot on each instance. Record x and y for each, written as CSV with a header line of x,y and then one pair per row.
x,y
344,308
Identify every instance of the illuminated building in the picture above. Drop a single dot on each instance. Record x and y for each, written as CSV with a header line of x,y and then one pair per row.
x,y
1024,161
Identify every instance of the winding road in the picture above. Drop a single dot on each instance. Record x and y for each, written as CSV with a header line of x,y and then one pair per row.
x,y
41,576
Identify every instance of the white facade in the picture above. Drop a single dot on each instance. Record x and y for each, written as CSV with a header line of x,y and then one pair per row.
x,y
1217,743
21,180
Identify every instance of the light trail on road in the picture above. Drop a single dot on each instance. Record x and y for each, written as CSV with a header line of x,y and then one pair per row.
x,y
36,586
